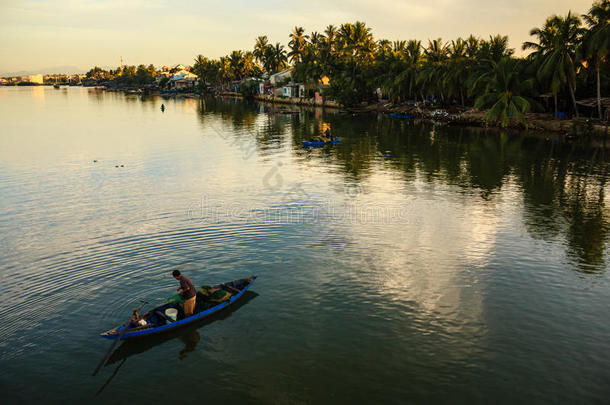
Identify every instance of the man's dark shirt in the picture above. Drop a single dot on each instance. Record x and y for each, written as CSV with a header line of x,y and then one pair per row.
x,y
186,283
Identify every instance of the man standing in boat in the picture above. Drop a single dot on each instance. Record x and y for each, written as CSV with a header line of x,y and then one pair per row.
x,y
188,291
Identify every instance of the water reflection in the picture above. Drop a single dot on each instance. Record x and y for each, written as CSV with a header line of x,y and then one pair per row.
x,y
469,287
562,185
190,340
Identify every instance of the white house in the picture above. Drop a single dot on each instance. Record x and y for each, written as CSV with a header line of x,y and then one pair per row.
x,y
183,74
183,80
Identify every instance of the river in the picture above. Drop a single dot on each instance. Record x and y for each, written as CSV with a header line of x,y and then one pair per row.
x,y
409,263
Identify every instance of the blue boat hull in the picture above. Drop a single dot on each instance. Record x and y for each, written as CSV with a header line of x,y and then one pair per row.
x,y
320,143
401,116
115,333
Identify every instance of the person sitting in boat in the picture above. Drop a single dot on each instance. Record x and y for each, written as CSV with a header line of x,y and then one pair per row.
x,y
325,137
136,320
188,291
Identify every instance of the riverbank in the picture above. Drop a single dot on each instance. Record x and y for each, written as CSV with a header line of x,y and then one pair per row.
x,y
453,115
475,117
450,116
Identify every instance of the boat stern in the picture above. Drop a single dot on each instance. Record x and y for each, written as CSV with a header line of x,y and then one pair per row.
x,y
110,334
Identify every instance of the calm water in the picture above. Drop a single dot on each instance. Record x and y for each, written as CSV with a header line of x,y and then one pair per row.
x,y
407,264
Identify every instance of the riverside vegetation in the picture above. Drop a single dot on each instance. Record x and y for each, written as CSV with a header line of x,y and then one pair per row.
x,y
568,61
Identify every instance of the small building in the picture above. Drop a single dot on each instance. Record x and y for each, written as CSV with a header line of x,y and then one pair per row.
x,y
591,105
182,80
183,84
291,90
280,77
38,79
265,88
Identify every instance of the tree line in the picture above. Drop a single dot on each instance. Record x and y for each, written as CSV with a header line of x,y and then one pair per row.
x,y
568,60
125,75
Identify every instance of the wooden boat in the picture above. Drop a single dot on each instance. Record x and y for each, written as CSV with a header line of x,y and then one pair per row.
x,y
320,143
158,322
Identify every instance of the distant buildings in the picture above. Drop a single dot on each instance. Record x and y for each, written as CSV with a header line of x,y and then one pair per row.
x,y
182,80
22,80
37,79
280,84
280,77
43,79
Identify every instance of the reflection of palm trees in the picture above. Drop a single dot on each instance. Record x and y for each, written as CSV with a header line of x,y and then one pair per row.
x,y
560,198
542,180
241,123
589,225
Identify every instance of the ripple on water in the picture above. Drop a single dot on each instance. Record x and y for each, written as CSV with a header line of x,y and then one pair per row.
x,y
117,271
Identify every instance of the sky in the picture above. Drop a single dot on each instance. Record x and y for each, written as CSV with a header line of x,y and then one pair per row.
x,y
39,34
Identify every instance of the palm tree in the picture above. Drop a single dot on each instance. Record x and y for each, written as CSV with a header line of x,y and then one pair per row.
x,y
316,38
390,61
495,49
225,71
236,61
414,60
259,48
297,43
504,91
249,65
356,45
456,72
545,37
432,72
558,42
200,69
277,57
326,50
363,43
330,32
597,41
472,47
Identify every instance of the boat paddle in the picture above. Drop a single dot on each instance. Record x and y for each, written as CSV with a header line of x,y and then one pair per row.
x,y
109,352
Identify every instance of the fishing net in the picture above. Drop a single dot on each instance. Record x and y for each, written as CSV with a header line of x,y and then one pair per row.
x,y
175,299
220,296
204,290
204,293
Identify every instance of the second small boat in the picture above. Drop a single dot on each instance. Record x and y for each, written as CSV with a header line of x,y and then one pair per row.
x,y
320,143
